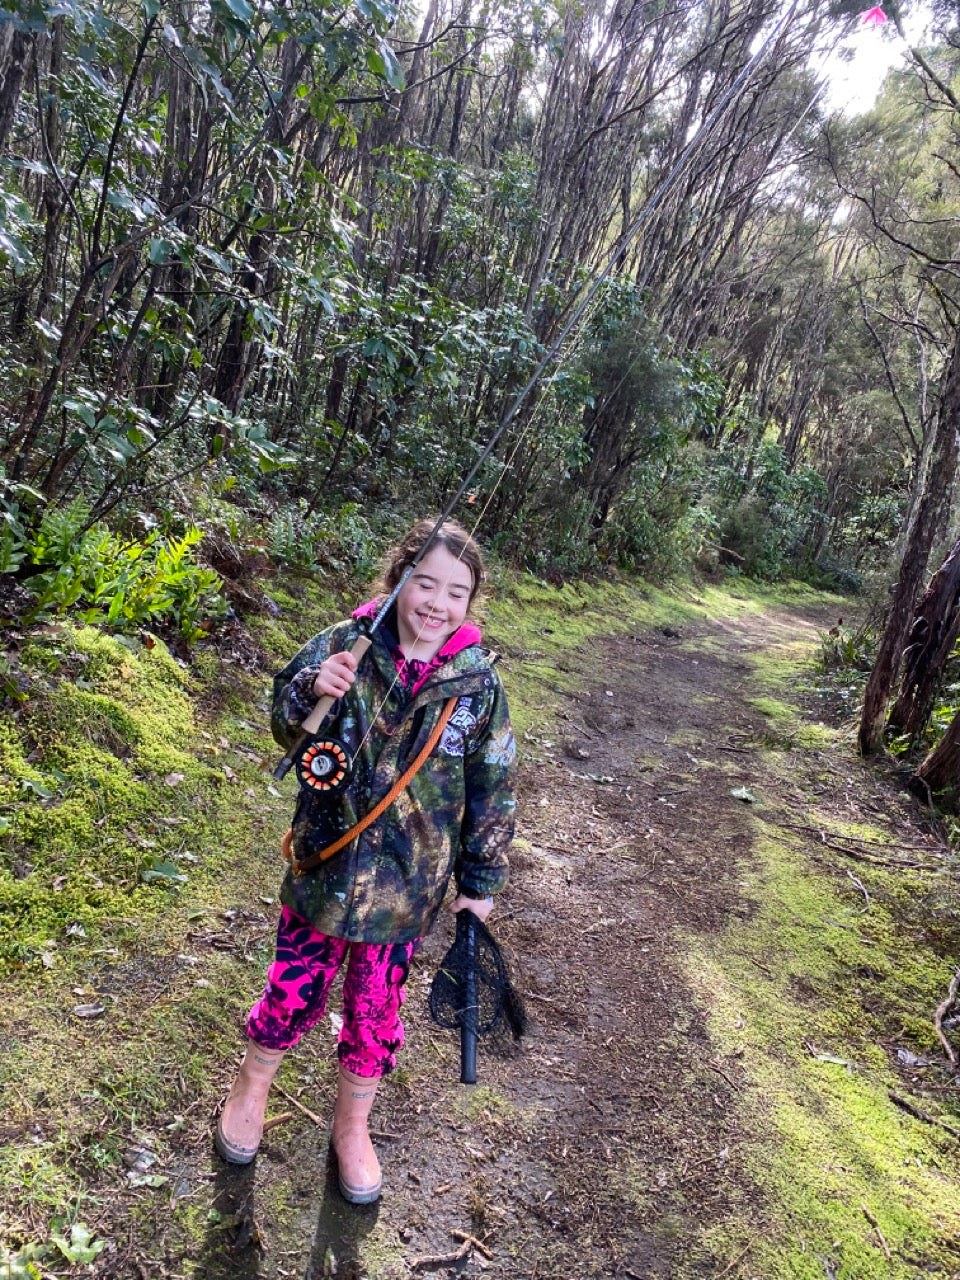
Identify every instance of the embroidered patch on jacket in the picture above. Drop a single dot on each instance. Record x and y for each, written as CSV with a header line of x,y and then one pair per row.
x,y
454,740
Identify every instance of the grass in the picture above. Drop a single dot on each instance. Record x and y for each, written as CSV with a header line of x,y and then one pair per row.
x,y
810,998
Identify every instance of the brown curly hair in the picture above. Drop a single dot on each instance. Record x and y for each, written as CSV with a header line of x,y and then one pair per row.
x,y
451,536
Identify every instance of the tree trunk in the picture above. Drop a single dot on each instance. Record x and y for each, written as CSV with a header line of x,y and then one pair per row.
x,y
939,774
16,60
931,640
930,513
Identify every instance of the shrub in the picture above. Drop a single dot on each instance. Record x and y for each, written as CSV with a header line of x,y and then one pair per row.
x,y
122,584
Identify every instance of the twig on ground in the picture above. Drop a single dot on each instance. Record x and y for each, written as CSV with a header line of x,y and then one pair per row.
x,y
860,886
903,846
876,1226
918,1113
311,1115
731,1266
382,1133
441,1259
275,1120
857,854
941,1012
472,1240
715,1066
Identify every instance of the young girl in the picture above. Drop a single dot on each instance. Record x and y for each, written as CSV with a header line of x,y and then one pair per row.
x,y
372,903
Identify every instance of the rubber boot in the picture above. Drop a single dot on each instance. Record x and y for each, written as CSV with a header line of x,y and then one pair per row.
x,y
240,1126
359,1168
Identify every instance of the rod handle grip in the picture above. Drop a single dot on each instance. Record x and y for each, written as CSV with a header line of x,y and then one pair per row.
x,y
320,712
317,716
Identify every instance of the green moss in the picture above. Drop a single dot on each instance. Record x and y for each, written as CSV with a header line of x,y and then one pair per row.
x,y
834,1140
774,709
791,730
483,1103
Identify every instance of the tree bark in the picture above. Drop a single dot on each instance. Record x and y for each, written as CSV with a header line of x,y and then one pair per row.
x,y
939,774
930,514
933,634
16,58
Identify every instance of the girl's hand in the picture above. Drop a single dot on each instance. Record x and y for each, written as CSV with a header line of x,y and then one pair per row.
x,y
481,907
336,675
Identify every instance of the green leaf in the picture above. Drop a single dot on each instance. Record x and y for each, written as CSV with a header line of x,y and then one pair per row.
x,y
240,9
391,67
166,871
38,789
376,64
82,410
31,166
47,329
20,1265
160,251
216,258
81,1247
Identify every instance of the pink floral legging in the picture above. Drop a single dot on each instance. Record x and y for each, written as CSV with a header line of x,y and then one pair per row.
x,y
299,981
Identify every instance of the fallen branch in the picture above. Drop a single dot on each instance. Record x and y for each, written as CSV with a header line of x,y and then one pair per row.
x,y
275,1120
442,1259
472,1240
919,1114
876,1226
857,854
715,1066
941,1012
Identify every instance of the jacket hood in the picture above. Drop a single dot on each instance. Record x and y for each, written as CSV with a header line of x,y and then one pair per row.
x,y
462,638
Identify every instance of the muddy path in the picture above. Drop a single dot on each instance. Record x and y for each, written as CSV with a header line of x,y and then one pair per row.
x,y
598,1147
603,1145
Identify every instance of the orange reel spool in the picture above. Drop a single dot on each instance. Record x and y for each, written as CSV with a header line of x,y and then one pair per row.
x,y
323,765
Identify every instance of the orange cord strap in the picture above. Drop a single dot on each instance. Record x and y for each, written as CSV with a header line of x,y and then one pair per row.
x,y
307,864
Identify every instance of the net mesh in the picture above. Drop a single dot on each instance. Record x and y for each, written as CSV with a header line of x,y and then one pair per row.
x,y
498,1005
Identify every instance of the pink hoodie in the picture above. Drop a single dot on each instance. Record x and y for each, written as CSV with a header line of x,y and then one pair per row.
x,y
462,638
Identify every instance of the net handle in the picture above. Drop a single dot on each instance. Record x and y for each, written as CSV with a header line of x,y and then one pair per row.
x,y
467,932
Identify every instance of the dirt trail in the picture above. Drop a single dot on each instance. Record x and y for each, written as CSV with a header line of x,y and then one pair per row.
x,y
599,1148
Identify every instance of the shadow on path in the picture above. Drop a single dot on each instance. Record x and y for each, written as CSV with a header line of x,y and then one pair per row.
x,y
341,1230
235,1245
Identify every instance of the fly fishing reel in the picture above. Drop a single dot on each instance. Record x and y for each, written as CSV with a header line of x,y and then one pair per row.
x,y
323,765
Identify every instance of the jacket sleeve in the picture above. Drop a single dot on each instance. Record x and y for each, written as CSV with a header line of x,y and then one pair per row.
x,y
488,820
288,708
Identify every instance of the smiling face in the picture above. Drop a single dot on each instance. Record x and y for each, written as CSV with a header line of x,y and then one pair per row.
x,y
433,603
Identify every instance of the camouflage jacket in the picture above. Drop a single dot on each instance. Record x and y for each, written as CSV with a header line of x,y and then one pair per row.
x,y
456,815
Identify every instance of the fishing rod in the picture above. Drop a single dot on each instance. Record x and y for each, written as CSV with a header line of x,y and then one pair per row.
x,y
326,768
